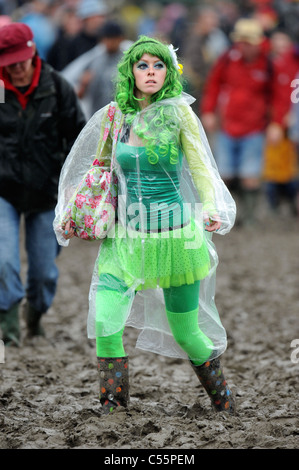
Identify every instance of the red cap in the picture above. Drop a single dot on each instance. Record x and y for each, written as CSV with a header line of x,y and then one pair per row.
x,y
16,43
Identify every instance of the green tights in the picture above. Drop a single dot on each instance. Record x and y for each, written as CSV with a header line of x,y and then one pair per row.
x,y
182,314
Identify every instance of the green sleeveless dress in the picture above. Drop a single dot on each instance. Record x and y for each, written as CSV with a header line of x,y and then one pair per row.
x,y
157,243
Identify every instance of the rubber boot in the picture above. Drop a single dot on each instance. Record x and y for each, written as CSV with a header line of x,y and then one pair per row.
x,y
10,326
33,318
211,377
114,382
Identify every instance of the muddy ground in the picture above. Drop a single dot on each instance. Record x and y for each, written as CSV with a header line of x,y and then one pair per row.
x,y
48,394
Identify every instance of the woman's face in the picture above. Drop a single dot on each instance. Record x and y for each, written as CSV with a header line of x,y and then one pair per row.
x,y
149,73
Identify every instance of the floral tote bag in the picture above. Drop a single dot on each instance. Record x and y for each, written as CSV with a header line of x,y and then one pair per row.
x,y
92,208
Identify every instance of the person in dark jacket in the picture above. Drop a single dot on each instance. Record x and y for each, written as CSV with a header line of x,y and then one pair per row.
x,y
92,13
40,118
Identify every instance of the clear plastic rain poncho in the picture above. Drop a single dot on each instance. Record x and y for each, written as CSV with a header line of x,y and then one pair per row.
x,y
165,191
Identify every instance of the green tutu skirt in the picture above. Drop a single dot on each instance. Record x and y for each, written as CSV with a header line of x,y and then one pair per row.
x,y
149,260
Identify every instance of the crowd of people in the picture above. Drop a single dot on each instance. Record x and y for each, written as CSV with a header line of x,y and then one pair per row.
x,y
58,64
249,120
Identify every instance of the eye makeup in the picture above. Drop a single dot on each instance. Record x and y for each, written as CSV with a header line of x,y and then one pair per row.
x,y
142,65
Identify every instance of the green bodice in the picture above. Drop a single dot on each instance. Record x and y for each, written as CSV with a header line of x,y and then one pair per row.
x,y
151,189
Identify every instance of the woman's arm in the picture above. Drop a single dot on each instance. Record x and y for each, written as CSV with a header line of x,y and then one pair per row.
x,y
202,176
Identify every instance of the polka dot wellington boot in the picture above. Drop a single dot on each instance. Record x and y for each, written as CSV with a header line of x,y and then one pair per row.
x,y
114,382
211,377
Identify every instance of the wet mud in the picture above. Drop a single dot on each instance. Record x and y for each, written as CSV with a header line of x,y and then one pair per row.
x,y
49,387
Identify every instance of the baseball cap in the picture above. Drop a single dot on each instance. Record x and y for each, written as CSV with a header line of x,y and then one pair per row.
x,y
247,30
16,43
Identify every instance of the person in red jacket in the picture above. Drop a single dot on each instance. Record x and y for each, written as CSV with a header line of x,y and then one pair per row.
x,y
237,98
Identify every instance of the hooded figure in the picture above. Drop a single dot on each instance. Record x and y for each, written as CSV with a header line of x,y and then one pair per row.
x,y
156,267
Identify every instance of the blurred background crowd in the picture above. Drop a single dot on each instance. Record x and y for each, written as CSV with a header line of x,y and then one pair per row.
x,y
84,40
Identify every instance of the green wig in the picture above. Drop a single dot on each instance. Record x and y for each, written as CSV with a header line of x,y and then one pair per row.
x,y
157,130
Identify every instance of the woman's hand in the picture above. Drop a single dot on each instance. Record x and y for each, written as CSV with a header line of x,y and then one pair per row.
x,y
69,232
212,223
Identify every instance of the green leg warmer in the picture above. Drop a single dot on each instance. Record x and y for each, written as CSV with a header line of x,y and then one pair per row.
x,y
111,312
110,346
188,335
182,314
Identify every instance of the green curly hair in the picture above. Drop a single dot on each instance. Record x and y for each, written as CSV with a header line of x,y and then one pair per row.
x,y
159,130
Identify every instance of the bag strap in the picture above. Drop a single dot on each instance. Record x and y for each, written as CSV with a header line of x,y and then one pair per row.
x,y
113,116
110,117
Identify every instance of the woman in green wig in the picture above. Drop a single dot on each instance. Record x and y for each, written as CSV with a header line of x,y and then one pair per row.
x,y
156,267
